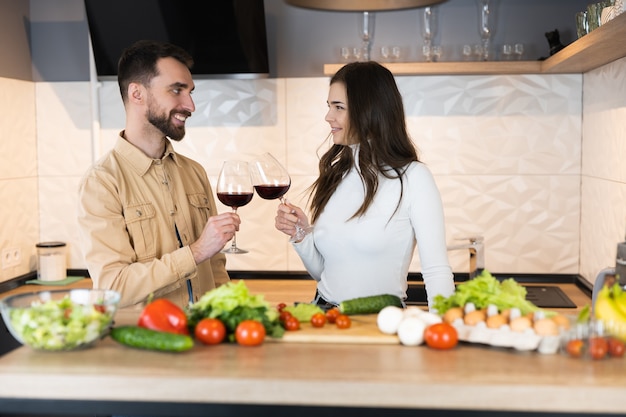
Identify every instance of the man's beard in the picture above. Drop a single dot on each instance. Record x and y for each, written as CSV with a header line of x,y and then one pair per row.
x,y
163,123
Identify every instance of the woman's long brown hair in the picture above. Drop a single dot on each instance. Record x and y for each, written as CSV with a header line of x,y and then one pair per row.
x,y
377,124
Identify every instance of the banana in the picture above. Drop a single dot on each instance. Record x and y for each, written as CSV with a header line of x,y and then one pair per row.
x,y
619,296
608,311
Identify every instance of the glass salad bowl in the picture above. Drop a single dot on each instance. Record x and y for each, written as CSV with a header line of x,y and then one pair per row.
x,y
60,320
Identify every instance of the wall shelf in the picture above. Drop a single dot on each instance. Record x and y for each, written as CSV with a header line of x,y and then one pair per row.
x,y
601,46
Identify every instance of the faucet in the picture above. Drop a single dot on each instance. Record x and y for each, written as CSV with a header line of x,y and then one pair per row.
x,y
476,249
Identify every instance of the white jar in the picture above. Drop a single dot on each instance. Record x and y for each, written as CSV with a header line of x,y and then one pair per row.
x,y
51,261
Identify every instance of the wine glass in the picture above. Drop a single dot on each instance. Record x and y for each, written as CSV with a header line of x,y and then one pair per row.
x,y
518,49
385,52
428,32
485,27
271,181
234,189
507,51
366,31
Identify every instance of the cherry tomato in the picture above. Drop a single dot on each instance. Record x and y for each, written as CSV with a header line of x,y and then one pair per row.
x,y
616,347
342,321
441,336
281,306
575,348
250,333
284,315
331,315
210,331
598,347
318,320
291,323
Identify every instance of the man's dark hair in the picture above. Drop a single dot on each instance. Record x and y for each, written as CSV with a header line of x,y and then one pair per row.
x,y
138,63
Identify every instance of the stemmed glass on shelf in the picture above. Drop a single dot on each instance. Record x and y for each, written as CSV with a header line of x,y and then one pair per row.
x,y
272,181
485,27
234,189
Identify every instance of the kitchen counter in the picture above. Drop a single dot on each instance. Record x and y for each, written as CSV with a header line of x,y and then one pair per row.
x,y
305,378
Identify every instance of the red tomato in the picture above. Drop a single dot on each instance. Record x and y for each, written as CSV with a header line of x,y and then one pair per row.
x,y
291,323
281,306
165,316
575,348
342,321
331,315
616,347
598,347
210,331
441,336
318,320
284,315
250,333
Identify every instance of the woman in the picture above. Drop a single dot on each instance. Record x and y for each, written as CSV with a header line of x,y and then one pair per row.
x,y
373,200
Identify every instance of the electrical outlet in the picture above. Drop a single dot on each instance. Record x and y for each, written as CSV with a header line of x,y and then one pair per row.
x,y
11,257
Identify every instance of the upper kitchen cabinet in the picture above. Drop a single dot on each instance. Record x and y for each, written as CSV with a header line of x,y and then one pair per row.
x,y
599,47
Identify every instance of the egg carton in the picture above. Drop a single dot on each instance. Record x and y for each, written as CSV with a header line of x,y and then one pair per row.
x,y
504,337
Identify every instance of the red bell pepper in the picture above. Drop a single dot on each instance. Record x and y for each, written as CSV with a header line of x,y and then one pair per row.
x,y
164,316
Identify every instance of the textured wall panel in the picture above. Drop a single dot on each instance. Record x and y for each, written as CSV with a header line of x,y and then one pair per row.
x,y
19,227
505,152
18,145
605,122
603,210
58,216
63,128
603,222
530,223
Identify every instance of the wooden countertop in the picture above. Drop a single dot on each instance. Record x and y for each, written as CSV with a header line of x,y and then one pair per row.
x,y
470,377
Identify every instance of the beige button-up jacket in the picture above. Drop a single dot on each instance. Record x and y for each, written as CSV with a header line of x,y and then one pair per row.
x,y
130,207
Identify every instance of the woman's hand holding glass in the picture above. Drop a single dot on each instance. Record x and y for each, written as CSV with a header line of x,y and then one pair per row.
x,y
292,221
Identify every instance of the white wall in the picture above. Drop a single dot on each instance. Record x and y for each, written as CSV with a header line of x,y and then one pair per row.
x,y
603,209
505,152
19,205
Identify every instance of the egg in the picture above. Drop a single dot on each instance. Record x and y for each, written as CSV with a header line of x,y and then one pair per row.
x,y
561,321
496,321
546,327
453,314
389,319
520,324
474,317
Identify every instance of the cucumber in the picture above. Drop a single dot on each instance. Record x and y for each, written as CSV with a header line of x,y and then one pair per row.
x,y
369,305
142,338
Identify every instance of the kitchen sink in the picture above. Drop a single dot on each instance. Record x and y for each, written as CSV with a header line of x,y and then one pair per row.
x,y
543,296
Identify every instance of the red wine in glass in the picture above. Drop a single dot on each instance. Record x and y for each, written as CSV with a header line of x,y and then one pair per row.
x,y
270,179
235,199
271,191
234,189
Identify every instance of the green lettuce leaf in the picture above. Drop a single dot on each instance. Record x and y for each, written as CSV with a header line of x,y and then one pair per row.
x,y
484,290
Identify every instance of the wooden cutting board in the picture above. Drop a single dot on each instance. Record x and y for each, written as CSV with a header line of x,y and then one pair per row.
x,y
363,330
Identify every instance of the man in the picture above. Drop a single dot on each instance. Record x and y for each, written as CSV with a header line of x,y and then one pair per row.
x,y
148,220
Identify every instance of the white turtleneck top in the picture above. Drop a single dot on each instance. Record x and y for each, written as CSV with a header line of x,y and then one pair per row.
x,y
370,255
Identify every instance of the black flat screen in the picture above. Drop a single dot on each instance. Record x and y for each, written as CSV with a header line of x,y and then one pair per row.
x,y
227,38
